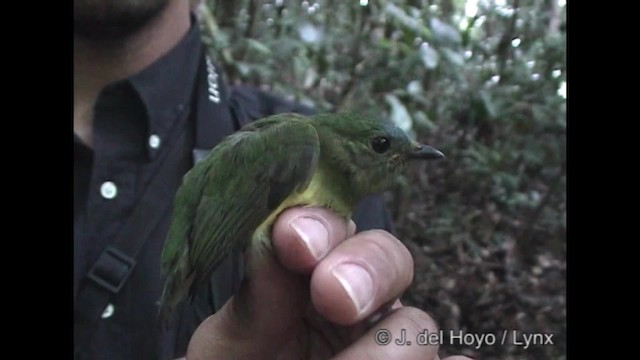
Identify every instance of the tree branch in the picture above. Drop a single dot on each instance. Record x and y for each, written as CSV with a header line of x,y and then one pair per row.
x,y
249,30
505,42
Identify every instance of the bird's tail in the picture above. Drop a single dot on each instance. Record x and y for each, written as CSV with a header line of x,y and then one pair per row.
x,y
175,290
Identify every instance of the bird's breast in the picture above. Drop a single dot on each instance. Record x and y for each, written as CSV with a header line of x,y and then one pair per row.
x,y
321,192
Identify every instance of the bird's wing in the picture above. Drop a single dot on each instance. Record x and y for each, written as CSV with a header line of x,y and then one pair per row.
x,y
244,179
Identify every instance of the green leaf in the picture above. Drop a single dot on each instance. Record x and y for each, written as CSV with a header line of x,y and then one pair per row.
x,y
310,33
399,114
429,56
488,104
243,68
453,57
407,21
258,47
444,33
414,88
422,122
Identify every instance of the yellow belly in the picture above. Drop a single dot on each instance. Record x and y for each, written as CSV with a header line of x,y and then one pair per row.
x,y
313,195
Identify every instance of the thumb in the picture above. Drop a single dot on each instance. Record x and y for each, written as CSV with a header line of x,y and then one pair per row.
x,y
267,311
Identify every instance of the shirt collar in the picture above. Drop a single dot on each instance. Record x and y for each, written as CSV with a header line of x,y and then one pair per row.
x,y
165,87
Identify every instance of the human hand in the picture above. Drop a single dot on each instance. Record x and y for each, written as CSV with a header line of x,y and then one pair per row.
x,y
319,297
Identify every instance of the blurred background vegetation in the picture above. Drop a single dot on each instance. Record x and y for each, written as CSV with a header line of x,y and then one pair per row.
x,y
484,81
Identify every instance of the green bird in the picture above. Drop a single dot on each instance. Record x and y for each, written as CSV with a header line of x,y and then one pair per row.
x,y
229,200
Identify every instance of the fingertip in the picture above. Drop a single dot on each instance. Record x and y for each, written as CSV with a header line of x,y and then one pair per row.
x,y
343,293
368,270
351,229
302,236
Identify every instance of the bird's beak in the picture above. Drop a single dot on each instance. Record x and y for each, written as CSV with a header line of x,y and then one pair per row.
x,y
424,152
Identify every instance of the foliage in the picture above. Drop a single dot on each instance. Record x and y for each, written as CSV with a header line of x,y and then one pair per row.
x,y
486,85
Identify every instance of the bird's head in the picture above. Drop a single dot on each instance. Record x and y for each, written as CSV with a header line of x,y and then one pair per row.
x,y
371,151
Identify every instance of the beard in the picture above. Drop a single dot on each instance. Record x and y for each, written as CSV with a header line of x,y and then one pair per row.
x,y
113,20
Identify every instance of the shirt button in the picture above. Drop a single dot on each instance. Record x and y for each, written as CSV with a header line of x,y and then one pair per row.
x,y
108,190
154,141
108,311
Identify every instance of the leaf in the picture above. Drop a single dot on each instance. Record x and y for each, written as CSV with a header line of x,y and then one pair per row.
x,y
414,88
407,21
310,33
258,47
444,33
488,104
453,57
421,121
243,68
399,114
429,56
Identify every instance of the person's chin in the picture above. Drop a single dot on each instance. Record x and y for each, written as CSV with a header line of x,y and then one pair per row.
x,y
107,32
114,21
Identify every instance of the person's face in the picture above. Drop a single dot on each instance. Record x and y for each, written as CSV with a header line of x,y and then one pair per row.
x,y
113,19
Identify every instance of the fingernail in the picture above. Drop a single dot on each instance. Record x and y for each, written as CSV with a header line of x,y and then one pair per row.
x,y
313,233
351,228
357,283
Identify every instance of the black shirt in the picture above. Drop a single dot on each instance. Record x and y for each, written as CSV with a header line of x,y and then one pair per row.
x,y
136,120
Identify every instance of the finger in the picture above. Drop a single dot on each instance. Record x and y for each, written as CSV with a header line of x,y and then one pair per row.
x,y
261,317
351,229
396,305
302,236
360,275
396,337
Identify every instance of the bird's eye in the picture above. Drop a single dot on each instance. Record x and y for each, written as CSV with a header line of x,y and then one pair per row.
x,y
380,144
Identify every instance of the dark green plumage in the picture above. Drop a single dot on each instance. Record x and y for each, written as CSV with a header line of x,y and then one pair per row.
x,y
233,196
